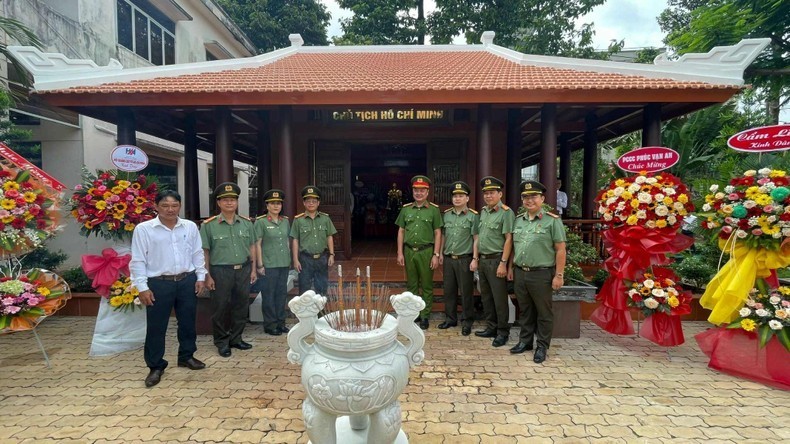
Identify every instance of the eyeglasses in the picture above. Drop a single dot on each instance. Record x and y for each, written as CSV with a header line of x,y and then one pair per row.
x,y
531,196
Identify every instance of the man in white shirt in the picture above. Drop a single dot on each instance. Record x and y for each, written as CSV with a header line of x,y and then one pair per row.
x,y
562,199
168,268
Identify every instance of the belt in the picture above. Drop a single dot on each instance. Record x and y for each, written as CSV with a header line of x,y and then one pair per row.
x,y
233,266
314,256
492,256
173,277
458,256
419,248
534,268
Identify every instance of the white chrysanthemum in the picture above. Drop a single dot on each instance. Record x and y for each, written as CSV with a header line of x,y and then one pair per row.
x,y
749,173
749,204
764,172
658,292
761,312
775,325
651,180
607,217
611,200
620,206
632,292
649,283
706,207
764,189
677,206
671,219
661,210
650,224
641,214
640,180
729,189
669,191
741,234
658,197
651,303
719,196
744,312
775,299
644,197
776,235
771,219
714,188
634,187
618,191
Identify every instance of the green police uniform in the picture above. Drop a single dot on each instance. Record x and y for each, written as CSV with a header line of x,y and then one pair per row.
x,y
534,268
459,231
274,241
275,257
419,224
312,234
228,245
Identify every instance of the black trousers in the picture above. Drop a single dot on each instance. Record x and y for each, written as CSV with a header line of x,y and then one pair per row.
x,y
230,303
493,294
273,297
170,295
315,273
534,295
458,277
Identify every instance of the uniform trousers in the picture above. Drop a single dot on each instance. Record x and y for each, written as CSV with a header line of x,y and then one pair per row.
x,y
419,276
493,294
273,297
230,302
170,295
315,273
534,296
458,277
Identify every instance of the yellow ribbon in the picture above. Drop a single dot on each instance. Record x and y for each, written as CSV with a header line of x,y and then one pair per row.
x,y
726,293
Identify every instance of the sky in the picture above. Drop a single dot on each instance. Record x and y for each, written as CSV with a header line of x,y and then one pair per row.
x,y
632,20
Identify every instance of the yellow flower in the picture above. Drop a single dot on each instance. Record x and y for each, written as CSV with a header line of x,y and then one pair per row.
x,y
116,301
120,206
88,225
673,301
118,215
100,205
619,182
136,186
43,291
138,210
632,219
139,201
634,203
124,183
726,209
29,196
28,216
128,227
777,173
8,204
661,223
748,324
784,290
668,201
116,190
781,313
751,192
626,195
683,198
710,199
7,219
128,299
762,199
107,195
10,184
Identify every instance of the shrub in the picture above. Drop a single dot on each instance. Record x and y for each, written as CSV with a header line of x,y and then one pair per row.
x,y
43,258
77,280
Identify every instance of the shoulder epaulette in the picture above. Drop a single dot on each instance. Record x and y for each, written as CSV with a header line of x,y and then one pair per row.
x,y
473,211
437,206
556,216
284,217
323,214
209,219
299,215
448,210
245,218
408,204
262,216
505,207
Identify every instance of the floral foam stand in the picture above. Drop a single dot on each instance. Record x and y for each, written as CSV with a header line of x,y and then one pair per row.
x,y
353,379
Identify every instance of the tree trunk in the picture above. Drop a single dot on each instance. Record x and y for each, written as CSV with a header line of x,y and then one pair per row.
x,y
420,22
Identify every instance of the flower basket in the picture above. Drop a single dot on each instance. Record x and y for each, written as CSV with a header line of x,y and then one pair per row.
x,y
662,301
28,297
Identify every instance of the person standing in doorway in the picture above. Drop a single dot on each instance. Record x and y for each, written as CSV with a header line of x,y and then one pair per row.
x,y
168,269
562,199
229,244
313,246
419,236
274,260
496,232
459,258
537,269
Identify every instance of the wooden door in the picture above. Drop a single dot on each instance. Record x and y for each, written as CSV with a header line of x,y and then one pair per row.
x,y
446,164
331,173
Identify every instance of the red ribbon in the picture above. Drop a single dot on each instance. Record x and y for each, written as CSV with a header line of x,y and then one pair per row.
x,y
105,269
663,329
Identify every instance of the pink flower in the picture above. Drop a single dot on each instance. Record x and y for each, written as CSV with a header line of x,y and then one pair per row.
x,y
12,309
757,232
785,303
758,305
733,196
102,188
768,208
763,181
727,229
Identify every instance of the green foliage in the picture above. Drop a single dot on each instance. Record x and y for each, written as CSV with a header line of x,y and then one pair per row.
x,y
77,280
697,266
20,35
9,133
600,277
381,22
43,258
269,22
578,252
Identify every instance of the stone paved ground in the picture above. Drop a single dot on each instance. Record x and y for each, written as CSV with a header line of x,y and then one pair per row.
x,y
597,388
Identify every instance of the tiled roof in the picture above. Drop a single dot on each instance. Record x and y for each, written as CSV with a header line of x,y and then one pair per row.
x,y
439,71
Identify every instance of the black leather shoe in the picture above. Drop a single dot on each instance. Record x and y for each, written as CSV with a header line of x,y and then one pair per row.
x,y
445,325
283,329
487,333
521,347
272,331
499,341
540,355
242,345
424,323
192,364
224,351
466,331
153,377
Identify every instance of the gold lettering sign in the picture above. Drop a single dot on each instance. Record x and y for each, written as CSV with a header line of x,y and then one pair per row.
x,y
388,115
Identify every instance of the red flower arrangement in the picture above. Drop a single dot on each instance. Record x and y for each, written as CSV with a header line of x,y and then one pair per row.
x,y
652,201
110,204
659,293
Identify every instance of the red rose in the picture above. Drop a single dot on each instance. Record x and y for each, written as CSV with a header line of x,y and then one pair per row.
x,y
41,224
18,223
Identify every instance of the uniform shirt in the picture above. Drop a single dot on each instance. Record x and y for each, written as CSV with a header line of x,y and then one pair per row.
x,y
494,224
158,250
227,244
274,241
533,240
312,232
459,229
419,223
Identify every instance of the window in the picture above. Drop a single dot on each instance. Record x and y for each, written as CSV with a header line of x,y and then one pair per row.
x,y
146,32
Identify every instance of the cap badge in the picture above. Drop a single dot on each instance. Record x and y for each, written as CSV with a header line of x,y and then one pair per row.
x,y
528,186
275,194
309,190
488,181
228,187
458,186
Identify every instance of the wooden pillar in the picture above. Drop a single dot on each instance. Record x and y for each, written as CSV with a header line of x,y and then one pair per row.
x,y
548,152
513,158
565,168
191,187
264,160
651,125
127,127
484,148
590,174
286,159
223,150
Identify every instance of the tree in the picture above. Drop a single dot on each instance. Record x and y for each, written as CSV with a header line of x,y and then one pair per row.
x,y
382,22
23,36
269,22
530,26
698,26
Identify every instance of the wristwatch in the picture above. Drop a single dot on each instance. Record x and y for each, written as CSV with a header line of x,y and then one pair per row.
x,y
559,275
436,254
504,261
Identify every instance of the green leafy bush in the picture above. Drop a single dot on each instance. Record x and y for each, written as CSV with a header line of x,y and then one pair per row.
x,y
77,280
578,252
697,266
43,258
